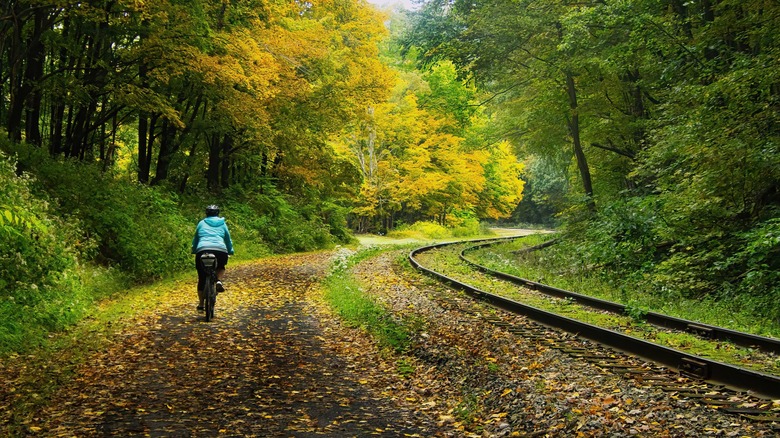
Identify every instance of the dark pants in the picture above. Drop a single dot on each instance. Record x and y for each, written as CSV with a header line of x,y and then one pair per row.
x,y
222,260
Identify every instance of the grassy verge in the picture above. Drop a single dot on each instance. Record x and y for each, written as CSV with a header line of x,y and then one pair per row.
x,y
546,267
345,295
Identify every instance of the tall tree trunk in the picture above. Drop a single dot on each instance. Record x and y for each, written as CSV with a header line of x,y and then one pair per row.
x,y
146,137
227,147
165,155
574,131
143,158
32,78
212,174
15,91
58,101
77,134
110,154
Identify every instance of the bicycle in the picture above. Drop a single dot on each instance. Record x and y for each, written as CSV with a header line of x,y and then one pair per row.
x,y
209,262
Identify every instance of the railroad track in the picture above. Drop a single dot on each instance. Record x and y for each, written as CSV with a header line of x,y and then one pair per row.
x,y
726,387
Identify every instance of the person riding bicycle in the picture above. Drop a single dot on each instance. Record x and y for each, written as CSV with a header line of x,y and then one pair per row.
x,y
211,235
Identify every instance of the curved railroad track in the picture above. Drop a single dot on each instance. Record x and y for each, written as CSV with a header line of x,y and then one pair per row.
x,y
726,387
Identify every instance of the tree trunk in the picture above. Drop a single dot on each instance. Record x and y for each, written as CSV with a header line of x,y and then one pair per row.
x,y
146,137
227,147
58,102
32,78
574,131
167,149
143,158
212,174
16,95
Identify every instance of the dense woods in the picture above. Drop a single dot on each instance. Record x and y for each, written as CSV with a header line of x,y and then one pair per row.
x,y
659,117
647,128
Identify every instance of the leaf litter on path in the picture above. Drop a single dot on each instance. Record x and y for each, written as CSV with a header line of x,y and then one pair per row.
x,y
260,368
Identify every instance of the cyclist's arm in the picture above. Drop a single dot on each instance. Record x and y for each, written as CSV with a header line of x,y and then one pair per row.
x,y
228,241
195,241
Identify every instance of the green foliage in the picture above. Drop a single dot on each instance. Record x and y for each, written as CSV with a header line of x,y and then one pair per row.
x,y
136,228
469,226
448,95
425,229
544,193
758,264
43,285
34,247
270,222
621,238
638,314
676,110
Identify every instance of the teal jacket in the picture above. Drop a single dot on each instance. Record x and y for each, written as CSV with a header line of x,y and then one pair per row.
x,y
212,234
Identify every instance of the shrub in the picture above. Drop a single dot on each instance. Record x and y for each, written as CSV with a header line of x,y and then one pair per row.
x,y
430,230
38,287
758,262
134,227
34,247
468,227
263,223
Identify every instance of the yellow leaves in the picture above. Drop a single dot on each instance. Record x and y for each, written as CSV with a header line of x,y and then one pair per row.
x,y
535,366
504,188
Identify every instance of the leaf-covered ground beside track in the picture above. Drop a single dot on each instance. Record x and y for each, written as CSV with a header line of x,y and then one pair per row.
x,y
488,382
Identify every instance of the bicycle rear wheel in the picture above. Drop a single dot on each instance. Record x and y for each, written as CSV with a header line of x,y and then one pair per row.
x,y
211,298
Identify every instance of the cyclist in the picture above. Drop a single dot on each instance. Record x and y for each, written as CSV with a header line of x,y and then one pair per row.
x,y
211,235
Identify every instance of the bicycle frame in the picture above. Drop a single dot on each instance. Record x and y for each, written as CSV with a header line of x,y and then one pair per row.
x,y
209,262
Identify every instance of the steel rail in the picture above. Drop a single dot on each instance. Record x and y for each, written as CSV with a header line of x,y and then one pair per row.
x,y
706,331
710,371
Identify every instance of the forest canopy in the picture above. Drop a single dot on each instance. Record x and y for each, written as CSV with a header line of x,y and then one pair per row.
x,y
205,96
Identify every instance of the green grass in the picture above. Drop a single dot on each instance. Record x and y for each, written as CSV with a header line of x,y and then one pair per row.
x,y
345,295
31,324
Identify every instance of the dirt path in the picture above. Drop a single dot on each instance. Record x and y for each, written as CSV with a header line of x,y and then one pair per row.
x,y
261,368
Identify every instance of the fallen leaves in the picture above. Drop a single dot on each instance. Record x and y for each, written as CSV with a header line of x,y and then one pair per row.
x,y
487,382
275,362
260,368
